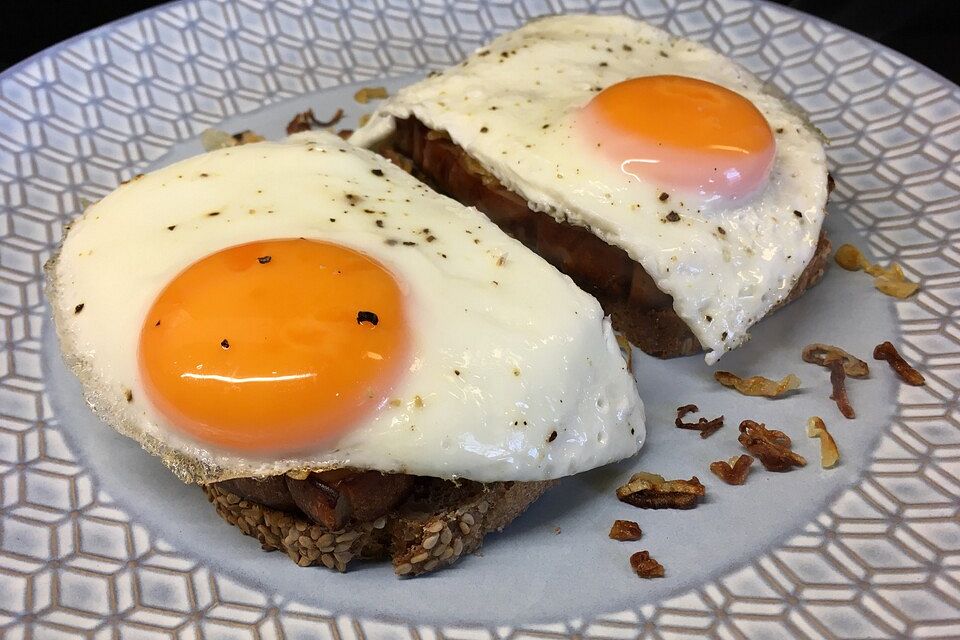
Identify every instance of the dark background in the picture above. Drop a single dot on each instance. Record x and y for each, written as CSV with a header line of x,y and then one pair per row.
x,y
925,30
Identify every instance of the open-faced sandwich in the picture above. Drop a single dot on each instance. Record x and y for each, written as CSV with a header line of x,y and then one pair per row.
x,y
661,176
350,364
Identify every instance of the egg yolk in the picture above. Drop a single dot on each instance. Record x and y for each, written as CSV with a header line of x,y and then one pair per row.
x,y
682,133
271,347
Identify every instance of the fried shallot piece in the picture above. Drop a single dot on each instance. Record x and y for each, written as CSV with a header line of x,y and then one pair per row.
x,y
889,280
213,139
733,471
829,453
886,351
652,491
625,531
838,378
365,95
306,121
772,447
758,385
821,354
645,566
706,427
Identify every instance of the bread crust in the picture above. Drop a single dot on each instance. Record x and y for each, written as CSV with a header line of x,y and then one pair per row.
x,y
435,526
639,309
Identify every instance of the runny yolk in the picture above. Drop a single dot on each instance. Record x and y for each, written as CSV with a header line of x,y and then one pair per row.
x,y
682,133
271,347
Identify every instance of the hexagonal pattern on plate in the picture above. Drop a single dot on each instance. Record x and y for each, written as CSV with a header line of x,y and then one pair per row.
x,y
883,560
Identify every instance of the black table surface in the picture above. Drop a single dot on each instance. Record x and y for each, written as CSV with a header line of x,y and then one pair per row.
x,y
924,30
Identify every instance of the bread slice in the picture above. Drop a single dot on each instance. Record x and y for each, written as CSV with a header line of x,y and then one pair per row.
x,y
639,310
435,526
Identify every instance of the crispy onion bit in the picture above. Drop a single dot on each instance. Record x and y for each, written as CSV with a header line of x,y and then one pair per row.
x,y
306,120
838,379
645,566
772,447
821,354
734,470
213,139
706,427
625,531
886,351
758,385
652,491
893,283
625,349
367,94
889,280
829,454
850,258
247,137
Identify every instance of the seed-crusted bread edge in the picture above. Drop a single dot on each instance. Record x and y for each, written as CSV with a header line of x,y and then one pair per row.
x,y
416,539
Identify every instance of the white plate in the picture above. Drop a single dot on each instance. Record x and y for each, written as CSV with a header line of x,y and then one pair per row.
x,y
97,537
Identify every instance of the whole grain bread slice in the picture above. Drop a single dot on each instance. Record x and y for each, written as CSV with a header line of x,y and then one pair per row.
x,y
639,310
435,526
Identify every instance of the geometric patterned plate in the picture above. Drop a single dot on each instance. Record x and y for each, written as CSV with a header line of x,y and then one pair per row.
x,y
97,541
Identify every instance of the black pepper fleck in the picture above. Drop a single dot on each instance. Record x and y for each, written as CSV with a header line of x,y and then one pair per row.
x,y
456,371
377,172
664,196
225,343
721,231
408,243
129,395
484,129
213,213
723,336
552,437
379,223
673,216
627,47
431,238
798,214
367,316
171,227
78,308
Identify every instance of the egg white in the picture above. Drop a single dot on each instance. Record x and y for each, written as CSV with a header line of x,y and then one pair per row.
x,y
511,104
534,353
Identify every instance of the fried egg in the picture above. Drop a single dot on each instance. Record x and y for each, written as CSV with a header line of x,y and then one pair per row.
x,y
306,305
658,145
